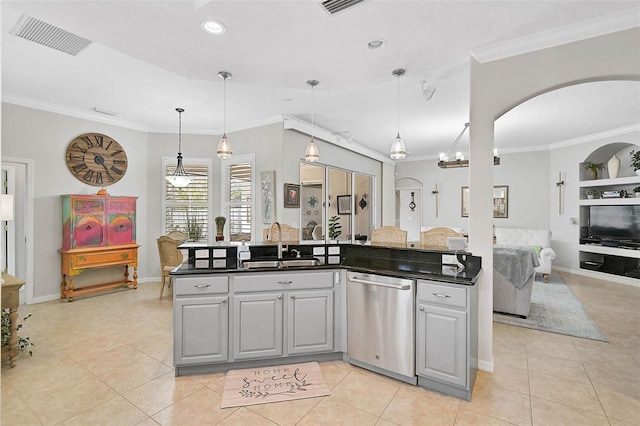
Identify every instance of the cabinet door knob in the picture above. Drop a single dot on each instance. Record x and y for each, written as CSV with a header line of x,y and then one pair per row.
x,y
279,297
292,296
224,301
422,308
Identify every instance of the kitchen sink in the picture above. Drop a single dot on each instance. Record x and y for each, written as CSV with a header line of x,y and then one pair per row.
x,y
299,262
279,263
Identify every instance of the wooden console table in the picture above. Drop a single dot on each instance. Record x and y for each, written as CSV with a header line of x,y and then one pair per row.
x,y
74,261
10,300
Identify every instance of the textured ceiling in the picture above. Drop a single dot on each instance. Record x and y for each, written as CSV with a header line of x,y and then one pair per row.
x,y
149,57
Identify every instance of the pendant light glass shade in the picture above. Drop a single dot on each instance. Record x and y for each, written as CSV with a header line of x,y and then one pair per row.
x,y
398,151
180,178
224,146
312,154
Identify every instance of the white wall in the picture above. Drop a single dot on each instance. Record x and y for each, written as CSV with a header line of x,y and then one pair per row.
x,y
526,174
43,137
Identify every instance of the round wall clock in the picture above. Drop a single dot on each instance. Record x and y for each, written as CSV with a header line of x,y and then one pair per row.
x,y
96,159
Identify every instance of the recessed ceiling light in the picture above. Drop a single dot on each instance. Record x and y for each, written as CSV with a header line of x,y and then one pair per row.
x,y
375,44
213,27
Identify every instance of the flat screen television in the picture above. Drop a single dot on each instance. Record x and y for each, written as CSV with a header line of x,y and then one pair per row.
x,y
615,222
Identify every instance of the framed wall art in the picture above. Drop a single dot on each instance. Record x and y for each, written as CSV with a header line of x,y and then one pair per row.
x,y
291,195
500,201
344,204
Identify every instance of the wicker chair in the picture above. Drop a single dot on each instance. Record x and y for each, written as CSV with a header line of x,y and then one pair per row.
x,y
170,257
289,233
389,235
178,235
437,236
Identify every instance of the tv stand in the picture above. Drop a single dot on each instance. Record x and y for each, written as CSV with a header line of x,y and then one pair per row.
x,y
612,256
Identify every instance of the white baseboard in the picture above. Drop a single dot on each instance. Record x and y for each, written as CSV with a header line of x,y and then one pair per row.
x,y
51,297
618,279
486,365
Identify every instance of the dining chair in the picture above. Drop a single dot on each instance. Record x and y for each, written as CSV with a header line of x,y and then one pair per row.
x,y
170,257
389,235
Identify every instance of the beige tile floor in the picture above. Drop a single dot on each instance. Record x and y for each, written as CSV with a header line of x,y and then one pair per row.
x,y
108,360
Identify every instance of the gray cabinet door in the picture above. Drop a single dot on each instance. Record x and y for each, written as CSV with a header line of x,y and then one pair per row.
x,y
309,321
257,325
201,330
442,344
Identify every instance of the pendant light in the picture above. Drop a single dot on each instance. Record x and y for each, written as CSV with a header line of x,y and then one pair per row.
x,y
224,147
398,151
312,154
180,178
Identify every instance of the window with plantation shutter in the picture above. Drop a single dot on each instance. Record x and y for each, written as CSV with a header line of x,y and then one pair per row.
x,y
238,197
187,209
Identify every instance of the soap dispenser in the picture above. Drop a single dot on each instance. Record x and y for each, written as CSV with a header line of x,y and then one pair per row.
x,y
243,254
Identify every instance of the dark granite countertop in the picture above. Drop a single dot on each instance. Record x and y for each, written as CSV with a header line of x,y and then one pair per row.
x,y
404,262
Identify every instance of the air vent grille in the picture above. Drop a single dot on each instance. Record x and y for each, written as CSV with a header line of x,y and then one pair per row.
x,y
48,35
335,6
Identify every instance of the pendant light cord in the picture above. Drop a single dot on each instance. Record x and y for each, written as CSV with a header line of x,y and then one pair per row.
x,y
224,106
312,112
398,104
179,132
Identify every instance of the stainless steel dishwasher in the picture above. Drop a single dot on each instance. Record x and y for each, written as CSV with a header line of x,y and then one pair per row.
x,y
381,324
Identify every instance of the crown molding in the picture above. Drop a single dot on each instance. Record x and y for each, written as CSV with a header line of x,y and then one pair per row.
x,y
294,123
619,21
72,112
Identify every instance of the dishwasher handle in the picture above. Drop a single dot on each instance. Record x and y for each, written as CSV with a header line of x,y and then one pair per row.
x,y
396,287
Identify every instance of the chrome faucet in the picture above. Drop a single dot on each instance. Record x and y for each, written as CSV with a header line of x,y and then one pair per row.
x,y
270,237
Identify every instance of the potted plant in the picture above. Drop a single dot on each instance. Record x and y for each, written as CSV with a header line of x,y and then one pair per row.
x,y
635,162
592,169
23,343
194,229
636,191
591,193
335,228
220,221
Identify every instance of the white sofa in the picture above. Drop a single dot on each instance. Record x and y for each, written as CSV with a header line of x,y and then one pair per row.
x,y
533,238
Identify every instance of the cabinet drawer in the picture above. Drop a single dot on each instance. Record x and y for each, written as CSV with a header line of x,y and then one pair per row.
x,y
442,295
201,285
282,281
105,258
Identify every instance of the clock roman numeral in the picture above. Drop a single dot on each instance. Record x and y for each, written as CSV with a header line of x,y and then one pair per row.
x,y
73,157
116,170
99,140
98,177
108,145
88,176
87,141
117,152
79,148
79,167
119,162
111,179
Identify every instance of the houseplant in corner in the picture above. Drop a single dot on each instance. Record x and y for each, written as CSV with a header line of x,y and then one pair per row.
x,y
635,162
335,228
592,169
22,343
636,191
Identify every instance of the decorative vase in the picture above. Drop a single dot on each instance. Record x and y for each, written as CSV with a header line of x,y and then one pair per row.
x,y
638,172
220,221
636,194
592,174
614,167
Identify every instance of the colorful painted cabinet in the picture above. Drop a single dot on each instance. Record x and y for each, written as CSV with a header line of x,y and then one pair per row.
x,y
97,231
97,221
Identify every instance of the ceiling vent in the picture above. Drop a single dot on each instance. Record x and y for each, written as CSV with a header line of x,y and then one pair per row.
x,y
47,35
335,6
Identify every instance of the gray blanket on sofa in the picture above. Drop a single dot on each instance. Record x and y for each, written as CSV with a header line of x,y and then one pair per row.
x,y
516,263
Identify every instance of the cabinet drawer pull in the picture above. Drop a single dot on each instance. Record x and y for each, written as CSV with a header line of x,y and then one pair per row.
x,y
202,285
444,296
285,282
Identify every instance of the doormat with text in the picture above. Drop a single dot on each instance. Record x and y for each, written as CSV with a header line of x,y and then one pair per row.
x,y
262,385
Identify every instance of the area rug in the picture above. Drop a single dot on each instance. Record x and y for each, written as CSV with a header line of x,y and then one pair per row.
x,y
554,308
263,385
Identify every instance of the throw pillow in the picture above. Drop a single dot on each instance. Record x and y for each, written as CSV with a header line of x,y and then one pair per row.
x,y
537,249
